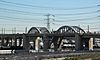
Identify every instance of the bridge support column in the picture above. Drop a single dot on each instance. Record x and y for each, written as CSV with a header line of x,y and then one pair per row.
x,y
4,42
45,43
91,44
78,42
86,43
55,46
25,43
20,42
2,39
37,45
14,41
55,40
7,42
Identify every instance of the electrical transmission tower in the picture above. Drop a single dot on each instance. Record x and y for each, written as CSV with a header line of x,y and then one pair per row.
x,y
48,20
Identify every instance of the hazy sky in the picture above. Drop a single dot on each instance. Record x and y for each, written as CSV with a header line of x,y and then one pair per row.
x,y
28,13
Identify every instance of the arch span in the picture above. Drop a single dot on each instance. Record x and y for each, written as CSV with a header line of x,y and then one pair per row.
x,y
34,30
65,29
78,29
37,42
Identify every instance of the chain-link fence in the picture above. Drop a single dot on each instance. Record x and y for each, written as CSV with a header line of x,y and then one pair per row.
x,y
13,30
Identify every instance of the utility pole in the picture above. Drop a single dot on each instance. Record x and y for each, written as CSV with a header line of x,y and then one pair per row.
x,y
2,31
88,28
26,30
14,30
48,20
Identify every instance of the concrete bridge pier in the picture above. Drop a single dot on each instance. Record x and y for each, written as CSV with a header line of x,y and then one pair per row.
x,y
6,42
55,40
91,43
15,41
20,42
2,41
86,43
45,43
26,44
37,44
78,42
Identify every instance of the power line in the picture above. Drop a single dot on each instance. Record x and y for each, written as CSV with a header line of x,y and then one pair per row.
x,y
26,19
21,11
78,21
27,13
86,23
75,19
15,24
43,7
56,21
78,13
6,4
94,22
17,13
17,19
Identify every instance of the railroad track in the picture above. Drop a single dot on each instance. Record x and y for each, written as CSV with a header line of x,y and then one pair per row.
x,y
44,55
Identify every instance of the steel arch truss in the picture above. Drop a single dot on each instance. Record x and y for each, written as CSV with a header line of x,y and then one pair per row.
x,y
38,42
70,29
78,29
34,30
65,29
